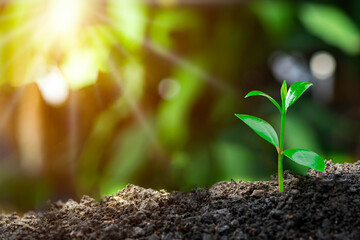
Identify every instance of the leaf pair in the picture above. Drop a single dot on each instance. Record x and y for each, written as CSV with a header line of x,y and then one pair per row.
x,y
288,97
263,128
267,132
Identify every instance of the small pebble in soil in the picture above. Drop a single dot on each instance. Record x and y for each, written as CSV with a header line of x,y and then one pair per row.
x,y
258,193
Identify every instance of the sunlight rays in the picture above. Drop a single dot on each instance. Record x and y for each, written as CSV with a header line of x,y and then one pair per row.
x,y
10,16
20,51
7,113
73,146
113,38
137,111
136,16
37,34
41,30
85,128
54,29
18,14
191,2
41,40
130,99
177,60
18,31
181,62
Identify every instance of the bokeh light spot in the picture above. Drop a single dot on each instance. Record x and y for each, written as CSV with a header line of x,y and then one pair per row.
x,y
322,65
53,87
169,89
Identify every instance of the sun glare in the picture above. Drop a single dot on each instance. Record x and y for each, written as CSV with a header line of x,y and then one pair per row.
x,y
65,16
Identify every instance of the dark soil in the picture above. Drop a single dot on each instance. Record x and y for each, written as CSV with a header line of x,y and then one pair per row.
x,y
317,206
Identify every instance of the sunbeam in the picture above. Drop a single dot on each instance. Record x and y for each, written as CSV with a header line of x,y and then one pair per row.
x,y
136,110
128,97
18,31
73,132
179,61
191,2
8,111
14,15
112,38
20,51
137,17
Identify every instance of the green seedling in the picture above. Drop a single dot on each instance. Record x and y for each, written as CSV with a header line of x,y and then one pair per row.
x,y
266,131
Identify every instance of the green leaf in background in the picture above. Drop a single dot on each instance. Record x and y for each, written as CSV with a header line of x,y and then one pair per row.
x,y
198,170
306,158
129,156
234,160
259,93
167,21
129,21
295,91
173,116
80,67
261,127
332,25
276,17
283,92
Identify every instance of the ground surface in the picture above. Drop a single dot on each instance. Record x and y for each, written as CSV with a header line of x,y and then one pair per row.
x,y
318,206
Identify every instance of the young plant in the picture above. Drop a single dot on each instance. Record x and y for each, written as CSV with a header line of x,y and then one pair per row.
x,y
267,132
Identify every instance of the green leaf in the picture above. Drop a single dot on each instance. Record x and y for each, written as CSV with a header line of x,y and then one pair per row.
x,y
332,25
306,158
261,127
283,92
275,16
259,93
295,91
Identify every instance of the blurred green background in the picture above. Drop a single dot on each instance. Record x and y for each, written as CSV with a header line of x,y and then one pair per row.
x,y
98,94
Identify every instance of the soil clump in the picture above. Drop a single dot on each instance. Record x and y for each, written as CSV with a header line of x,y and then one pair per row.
x,y
316,206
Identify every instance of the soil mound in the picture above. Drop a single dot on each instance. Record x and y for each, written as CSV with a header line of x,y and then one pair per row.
x,y
316,206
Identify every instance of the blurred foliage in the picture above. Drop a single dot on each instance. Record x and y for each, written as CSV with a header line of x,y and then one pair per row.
x,y
316,18
275,16
119,126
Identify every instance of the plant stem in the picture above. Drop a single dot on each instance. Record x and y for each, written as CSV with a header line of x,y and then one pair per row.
x,y
281,149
